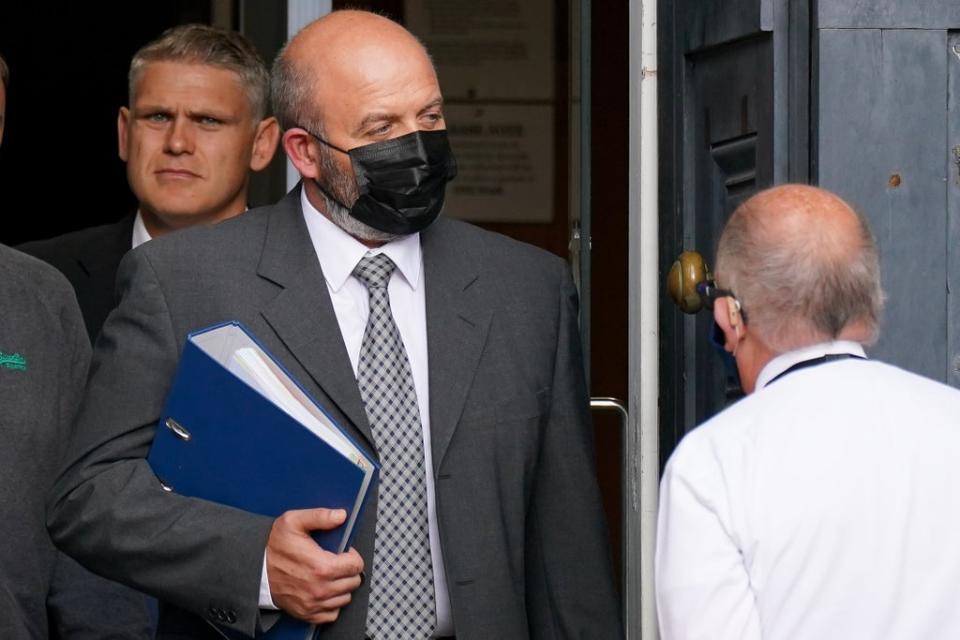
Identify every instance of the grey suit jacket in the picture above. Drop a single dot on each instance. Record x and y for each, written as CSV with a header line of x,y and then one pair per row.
x,y
83,606
44,355
519,511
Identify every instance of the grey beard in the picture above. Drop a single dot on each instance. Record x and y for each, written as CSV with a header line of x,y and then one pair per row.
x,y
341,217
340,184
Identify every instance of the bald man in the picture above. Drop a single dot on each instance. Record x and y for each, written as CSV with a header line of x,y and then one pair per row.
x,y
487,521
827,503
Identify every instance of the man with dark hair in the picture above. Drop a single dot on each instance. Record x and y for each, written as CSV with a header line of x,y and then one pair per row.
x,y
195,129
450,352
826,503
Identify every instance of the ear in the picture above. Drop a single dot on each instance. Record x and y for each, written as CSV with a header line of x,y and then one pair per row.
x,y
726,311
302,152
264,143
123,123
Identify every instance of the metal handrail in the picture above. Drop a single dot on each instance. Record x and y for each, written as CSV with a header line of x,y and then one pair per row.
x,y
619,407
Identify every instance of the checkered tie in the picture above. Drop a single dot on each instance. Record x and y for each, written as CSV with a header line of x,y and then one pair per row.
x,y
401,590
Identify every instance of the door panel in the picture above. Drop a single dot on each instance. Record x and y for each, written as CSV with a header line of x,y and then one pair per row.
x,y
881,137
718,96
918,14
728,155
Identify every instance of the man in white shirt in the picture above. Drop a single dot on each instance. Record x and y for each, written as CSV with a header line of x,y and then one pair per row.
x,y
826,504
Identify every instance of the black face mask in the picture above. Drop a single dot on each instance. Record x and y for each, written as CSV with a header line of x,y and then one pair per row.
x,y
401,181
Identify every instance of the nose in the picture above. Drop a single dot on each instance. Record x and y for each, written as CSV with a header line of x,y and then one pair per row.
x,y
404,130
179,136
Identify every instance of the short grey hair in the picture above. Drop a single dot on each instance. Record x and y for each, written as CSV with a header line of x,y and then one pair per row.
x,y
292,88
210,46
795,291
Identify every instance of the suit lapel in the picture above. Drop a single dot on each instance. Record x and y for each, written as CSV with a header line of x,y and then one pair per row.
x,y
98,259
457,325
100,256
302,314
105,250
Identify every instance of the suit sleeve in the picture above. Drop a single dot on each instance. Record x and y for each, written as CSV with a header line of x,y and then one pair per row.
x,y
702,586
108,509
81,605
571,592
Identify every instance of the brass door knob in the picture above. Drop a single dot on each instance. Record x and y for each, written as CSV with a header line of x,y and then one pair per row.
x,y
687,272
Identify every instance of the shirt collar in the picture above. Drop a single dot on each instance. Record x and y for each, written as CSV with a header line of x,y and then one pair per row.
x,y
786,360
140,233
339,252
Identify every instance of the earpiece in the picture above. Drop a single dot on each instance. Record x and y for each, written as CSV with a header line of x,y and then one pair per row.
x,y
733,309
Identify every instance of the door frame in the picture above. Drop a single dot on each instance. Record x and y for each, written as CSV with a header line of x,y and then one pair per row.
x,y
641,444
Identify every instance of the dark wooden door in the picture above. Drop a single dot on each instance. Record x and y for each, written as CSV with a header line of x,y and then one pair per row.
x,y
733,120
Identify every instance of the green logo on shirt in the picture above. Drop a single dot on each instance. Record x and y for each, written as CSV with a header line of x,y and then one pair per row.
x,y
13,361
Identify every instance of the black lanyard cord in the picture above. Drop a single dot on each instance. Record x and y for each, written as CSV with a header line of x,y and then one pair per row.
x,y
830,357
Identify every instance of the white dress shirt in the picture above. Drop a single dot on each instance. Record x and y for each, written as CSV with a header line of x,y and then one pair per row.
x,y
825,505
339,253
140,233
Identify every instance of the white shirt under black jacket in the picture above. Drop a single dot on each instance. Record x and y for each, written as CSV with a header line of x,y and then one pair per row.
x,y
339,253
140,233
825,505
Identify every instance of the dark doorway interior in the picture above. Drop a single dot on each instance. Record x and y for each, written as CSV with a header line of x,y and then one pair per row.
x,y
68,65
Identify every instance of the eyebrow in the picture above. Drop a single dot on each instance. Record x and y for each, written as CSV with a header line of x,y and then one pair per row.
x,y
382,116
437,102
202,112
371,118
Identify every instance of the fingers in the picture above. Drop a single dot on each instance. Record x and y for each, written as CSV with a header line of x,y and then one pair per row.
x,y
328,610
307,520
343,586
355,562
331,568
317,601
305,580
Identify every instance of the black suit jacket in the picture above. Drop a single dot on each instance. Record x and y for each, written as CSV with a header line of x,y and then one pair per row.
x,y
89,258
81,605
518,507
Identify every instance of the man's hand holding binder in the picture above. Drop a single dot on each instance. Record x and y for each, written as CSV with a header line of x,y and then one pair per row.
x,y
306,581
238,429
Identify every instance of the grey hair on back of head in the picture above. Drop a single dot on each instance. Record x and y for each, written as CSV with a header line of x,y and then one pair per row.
x,y
800,290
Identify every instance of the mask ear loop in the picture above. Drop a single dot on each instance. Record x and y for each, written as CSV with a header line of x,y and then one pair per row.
x,y
319,139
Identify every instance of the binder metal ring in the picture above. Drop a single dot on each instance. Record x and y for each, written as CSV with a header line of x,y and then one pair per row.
x,y
177,429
